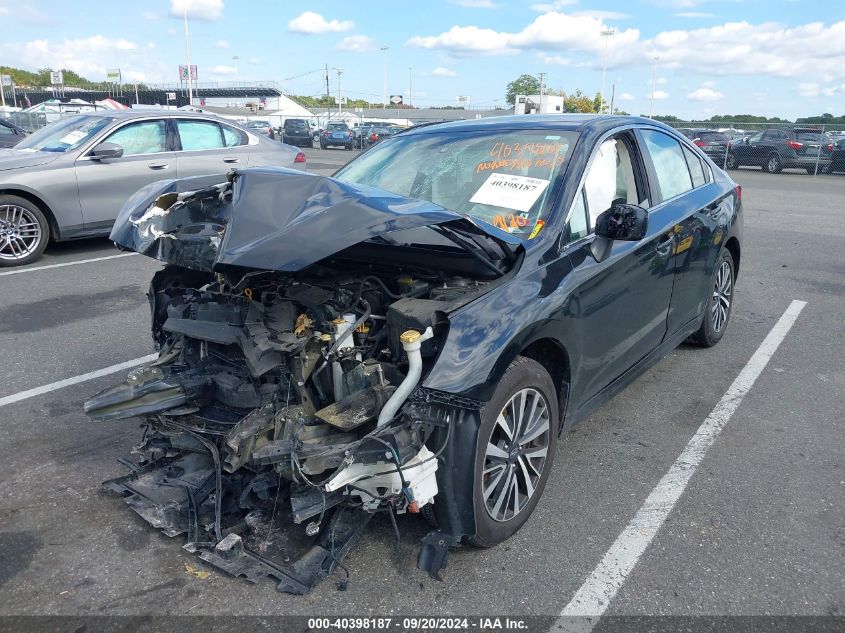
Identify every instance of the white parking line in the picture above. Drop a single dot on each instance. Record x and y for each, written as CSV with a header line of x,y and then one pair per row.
x,y
73,263
75,380
593,598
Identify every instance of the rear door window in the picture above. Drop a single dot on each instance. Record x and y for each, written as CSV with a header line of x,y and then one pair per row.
x,y
695,168
233,137
197,135
670,166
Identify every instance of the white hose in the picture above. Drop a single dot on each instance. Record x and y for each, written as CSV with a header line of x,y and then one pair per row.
x,y
411,341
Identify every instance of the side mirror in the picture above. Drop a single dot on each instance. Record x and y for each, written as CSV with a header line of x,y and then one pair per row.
x,y
106,150
625,222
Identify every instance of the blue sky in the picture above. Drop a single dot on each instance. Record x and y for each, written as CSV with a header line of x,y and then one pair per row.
x,y
771,57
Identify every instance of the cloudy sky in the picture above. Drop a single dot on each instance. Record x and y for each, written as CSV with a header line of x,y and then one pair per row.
x,y
771,57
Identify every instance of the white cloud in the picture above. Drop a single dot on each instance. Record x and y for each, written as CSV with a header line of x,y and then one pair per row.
x,y
694,14
314,24
221,44
659,95
224,70
705,94
627,96
555,5
206,10
556,60
602,15
150,15
475,4
814,50
89,56
440,71
356,44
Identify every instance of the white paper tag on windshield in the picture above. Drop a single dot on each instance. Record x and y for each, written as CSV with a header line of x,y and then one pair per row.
x,y
510,191
72,137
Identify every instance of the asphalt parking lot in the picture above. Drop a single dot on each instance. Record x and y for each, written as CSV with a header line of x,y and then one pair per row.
x,y
758,530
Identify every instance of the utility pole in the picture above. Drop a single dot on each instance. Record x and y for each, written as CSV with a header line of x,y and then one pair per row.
x,y
411,86
653,79
339,93
607,34
542,86
136,93
188,58
328,96
384,50
612,96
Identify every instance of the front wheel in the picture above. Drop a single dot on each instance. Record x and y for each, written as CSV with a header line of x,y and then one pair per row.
x,y
773,164
24,231
717,311
515,451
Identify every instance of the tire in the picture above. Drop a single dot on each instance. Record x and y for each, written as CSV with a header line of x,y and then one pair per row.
x,y
773,164
730,161
721,289
348,147
504,468
24,232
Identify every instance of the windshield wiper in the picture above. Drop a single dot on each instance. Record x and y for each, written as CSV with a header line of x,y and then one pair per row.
x,y
468,245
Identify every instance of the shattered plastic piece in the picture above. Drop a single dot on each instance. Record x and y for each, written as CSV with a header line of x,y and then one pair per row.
x,y
434,553
198,573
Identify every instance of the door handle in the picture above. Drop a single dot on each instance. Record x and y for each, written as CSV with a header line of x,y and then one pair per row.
x,y
231,160
664,246
157,165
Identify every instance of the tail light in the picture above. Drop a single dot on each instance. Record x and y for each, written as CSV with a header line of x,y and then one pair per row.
x,y
373,137
699,143
326,134
739,192
349,134
300,158
795,144
830,147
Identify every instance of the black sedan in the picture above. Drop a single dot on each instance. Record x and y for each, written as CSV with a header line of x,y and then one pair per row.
x,y
412,334
837,157
10,134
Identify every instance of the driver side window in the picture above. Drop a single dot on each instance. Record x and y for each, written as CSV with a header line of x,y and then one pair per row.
x,y
145,137
610,179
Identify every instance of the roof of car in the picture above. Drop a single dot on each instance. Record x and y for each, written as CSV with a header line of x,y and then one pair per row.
x,y
568,122
131,114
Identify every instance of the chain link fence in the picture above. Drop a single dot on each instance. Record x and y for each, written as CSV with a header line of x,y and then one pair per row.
x,y
814,148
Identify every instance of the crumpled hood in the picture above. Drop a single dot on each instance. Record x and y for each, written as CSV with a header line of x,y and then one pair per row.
x,y
19,158
270,219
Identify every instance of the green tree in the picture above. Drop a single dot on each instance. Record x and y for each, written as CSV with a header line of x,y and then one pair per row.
x,y
522,85
579,102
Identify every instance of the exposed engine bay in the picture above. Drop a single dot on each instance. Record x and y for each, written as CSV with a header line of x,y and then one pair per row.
x,y
283,411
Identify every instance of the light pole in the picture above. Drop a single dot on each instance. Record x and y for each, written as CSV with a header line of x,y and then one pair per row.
x,y
607,34
188,58
384,50
339,94
653,79
411,86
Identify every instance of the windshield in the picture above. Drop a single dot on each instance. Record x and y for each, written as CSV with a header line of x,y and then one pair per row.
x,y
65,134
503,177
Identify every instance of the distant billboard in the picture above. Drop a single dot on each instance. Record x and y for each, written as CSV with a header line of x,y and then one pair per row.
x,y
57,78
185,75
113,75
396,99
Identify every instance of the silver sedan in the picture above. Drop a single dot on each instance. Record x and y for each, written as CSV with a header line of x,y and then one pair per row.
x,y
70,179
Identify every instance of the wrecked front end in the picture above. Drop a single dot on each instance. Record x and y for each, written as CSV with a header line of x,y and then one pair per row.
x,y
284,409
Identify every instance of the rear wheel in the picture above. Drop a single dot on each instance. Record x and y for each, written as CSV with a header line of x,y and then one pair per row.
x,y
515,451
24,231
717,311
772,164
730,161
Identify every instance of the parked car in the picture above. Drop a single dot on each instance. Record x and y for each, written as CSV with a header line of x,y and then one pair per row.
x,y
297,132
336,134
837,157
372,134
412,334
779,148
70,179
714,144
261,128
10,134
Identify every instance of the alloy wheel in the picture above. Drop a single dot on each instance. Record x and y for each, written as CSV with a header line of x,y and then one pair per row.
x,y
20,232
722,293
773,164
516,454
